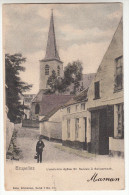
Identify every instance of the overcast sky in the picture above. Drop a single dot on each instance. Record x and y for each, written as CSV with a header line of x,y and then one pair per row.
x,y
83,31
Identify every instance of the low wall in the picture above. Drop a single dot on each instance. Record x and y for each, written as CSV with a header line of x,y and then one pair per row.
x,y
30,123
51,130
116,146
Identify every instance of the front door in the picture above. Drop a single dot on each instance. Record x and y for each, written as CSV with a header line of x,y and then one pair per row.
x,y
85,143
103,135
102,127
95,132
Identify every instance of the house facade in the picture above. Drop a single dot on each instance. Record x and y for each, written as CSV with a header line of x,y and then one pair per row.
x,y
74,122
105,110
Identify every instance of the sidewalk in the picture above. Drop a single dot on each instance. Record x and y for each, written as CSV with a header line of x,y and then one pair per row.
x,y
82,153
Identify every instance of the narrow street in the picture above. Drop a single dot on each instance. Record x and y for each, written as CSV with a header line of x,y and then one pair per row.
x,y
26,141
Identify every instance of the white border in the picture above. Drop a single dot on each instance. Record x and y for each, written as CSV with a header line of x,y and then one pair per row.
x,y
126,91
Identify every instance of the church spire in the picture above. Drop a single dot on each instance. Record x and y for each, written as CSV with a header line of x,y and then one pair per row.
x,y
51,50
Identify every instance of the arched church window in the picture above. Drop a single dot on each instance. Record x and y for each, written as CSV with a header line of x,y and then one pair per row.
x,y
58,70
37,109
47,69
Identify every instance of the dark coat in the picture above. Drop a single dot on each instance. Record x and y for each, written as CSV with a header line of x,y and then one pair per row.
x,y
39,147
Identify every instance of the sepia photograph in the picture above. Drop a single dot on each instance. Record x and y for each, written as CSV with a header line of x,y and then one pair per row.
x,y
64,96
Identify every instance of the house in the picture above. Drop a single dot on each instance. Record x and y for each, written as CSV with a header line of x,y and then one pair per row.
x,y
105,109
74,122
50,118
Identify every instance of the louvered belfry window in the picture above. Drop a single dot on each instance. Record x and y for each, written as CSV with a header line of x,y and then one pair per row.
x,y
47,69
58,70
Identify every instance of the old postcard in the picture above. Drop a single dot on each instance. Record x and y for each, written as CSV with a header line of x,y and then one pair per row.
x,y
64,99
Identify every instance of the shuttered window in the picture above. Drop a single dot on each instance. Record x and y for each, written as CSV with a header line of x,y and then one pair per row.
x,y
97,90
119,73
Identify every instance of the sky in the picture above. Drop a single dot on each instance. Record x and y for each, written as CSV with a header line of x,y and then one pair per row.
x,y
83,32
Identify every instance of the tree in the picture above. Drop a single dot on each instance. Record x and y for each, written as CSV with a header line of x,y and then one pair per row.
x,y
55,83
72,76
15,87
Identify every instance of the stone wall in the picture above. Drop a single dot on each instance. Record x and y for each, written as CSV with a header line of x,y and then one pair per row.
x,y
116,146
30,123
52,129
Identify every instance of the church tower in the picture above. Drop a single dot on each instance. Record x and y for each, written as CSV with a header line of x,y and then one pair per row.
x,y
52,60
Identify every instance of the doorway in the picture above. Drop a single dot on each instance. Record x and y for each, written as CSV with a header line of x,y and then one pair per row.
x,y
85,125
102,127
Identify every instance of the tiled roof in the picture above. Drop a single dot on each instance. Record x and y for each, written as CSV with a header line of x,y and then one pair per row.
x,y
87,79
47,116
53,101
38,97
85,82
78,98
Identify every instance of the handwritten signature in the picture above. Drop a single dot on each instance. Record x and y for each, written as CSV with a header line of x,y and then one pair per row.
x,y
95,177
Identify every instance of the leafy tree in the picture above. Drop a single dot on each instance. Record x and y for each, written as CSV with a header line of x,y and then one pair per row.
x,y
72,76
55,83
15,86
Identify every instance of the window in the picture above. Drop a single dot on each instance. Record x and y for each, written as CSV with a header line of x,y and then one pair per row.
x,y
37,109
76,128
76,108
58,70
68,128
97,90
83,106
47,69
120,121
68,110
119,74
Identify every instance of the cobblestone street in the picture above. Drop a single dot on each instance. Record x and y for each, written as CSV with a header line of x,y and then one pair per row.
x,y
27,139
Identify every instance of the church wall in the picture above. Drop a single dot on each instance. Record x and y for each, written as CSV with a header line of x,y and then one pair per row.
x,y
34,116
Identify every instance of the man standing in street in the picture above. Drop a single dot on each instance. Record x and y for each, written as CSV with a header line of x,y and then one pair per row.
x,y
39,149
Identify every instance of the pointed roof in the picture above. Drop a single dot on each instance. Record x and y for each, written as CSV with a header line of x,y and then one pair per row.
x,y
51,50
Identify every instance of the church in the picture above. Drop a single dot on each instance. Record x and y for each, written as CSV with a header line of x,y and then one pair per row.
x,y
43,103
52,60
